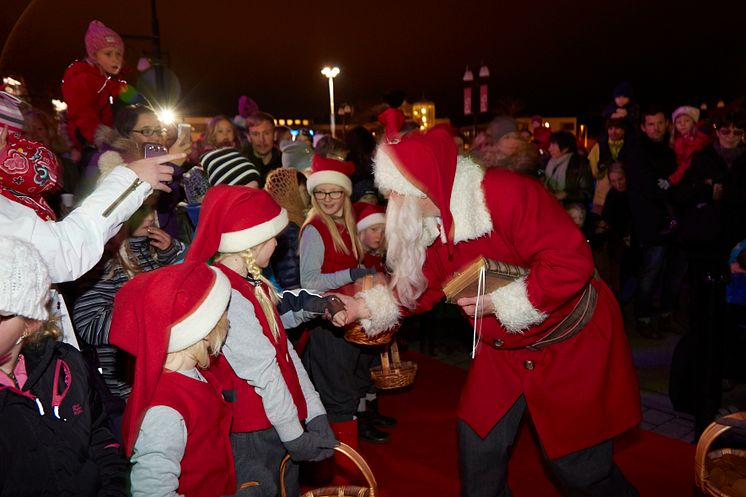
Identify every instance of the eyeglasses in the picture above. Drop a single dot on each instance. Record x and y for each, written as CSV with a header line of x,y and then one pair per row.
x,y
6,318
335,195
150,131
728,131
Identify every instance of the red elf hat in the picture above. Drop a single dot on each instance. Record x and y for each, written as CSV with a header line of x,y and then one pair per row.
x,y
332,171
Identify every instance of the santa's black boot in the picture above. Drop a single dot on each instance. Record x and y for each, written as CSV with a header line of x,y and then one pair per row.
x,y
377,418
367,431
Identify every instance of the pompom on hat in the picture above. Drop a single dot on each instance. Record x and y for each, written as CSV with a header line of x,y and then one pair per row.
x,y
686,110
332,171
368,215
24,280
99,36
235,218
158,312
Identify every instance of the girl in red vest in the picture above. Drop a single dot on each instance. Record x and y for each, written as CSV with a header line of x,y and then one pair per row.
x,y
275,407
176,424
330,258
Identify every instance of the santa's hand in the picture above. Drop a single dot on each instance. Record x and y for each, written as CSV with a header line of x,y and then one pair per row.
x,y
356,309
339,319
469,305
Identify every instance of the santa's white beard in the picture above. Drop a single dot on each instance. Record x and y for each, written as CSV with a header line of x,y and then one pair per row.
x,y
407,238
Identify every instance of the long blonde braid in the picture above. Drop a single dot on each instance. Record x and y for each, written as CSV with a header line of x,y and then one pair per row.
x,y
267,299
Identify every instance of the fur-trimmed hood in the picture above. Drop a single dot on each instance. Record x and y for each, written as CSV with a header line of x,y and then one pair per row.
x,y
118,150
471,218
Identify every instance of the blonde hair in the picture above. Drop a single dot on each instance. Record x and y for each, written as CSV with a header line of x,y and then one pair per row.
x,y
49,328
124,257
349,221
267,298
208,346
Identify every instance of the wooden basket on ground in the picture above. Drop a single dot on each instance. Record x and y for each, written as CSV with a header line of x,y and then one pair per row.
x,y
715,472
355,333
393,373
339,491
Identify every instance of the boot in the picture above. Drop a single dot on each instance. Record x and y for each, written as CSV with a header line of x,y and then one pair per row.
x,y
367,431
377,418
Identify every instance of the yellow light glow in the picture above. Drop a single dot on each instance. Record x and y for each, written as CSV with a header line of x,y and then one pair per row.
x,y
59,105
281,122
166,116
330,72
305,122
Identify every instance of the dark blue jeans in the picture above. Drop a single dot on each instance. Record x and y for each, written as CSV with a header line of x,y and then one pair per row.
x,y
661,266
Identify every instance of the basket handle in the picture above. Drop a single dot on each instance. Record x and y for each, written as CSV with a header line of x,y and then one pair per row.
x,y
352,454
714,430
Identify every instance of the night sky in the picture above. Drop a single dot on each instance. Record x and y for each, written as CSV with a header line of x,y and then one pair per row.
x,y
545,56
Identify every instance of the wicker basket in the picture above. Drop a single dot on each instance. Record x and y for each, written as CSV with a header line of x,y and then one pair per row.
x,y
340,491
393,373
355,333
705,458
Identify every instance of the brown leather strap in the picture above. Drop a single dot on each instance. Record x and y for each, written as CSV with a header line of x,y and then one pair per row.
x,y
570,326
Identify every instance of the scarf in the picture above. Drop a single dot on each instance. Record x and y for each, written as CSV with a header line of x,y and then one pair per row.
x,y
556,173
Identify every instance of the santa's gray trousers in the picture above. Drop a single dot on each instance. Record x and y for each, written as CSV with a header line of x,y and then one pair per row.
x,y
483,464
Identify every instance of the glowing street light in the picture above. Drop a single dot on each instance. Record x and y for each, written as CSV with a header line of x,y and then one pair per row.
x,y
330,73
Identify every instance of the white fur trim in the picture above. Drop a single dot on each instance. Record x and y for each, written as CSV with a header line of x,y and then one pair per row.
x,y
514,309
107,162
471,218
371,220
332,177
236,241
387,174
200,322
384,309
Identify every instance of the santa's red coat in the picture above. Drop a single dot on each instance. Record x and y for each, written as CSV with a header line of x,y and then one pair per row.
x,y
579,392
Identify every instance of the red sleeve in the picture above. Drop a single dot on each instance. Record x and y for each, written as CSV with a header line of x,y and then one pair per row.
x,y
82,102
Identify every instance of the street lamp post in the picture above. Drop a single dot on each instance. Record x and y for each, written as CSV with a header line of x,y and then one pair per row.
x,y
330,73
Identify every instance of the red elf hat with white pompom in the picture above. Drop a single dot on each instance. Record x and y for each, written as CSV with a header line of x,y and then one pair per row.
x,y
332,171
159,312
233,219
368,215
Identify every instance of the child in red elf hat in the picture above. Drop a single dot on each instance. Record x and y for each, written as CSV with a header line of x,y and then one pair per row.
x,y
90,85
176,423
276,409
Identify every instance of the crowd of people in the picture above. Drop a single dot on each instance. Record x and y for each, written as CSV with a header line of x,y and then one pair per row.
x,y
173,313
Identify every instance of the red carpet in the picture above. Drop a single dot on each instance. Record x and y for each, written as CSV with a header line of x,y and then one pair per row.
x,y
421,458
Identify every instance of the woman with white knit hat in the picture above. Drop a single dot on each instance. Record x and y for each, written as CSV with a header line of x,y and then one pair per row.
x,y
55,438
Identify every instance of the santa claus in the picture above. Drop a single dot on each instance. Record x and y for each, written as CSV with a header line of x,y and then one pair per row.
x,y
552,343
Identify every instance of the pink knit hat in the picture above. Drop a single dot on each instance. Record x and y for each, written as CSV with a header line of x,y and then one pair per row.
x,y
99,36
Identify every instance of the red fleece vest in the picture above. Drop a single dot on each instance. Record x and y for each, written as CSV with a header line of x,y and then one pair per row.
x,y
207,466
333,259
247,406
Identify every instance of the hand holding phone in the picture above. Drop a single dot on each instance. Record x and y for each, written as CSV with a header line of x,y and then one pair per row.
x,y
154,150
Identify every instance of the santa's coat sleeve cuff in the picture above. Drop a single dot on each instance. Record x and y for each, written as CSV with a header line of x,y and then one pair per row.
x,y
384,309
513,308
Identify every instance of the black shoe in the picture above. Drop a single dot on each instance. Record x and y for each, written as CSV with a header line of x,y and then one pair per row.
x,y
646,329
377,418
366,430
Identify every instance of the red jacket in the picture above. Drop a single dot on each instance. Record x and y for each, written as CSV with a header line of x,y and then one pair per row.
x,y
207,465
579,392
89,96
247,406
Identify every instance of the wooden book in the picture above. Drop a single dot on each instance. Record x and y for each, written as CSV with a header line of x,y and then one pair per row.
x,y
465,282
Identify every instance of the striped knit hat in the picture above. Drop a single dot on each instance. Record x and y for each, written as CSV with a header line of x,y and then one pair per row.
x,y
10,113
225,166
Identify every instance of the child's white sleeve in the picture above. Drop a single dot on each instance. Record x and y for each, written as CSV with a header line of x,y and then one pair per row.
x,y
156,457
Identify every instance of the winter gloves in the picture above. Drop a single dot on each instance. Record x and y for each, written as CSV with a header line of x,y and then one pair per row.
x,y
316,444
358,272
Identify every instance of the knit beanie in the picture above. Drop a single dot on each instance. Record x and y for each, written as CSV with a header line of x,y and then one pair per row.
x,y
99,36
686,110
24,279
226,166
297,154
501,126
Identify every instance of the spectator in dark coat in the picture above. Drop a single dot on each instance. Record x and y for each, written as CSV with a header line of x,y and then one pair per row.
x,y
568,175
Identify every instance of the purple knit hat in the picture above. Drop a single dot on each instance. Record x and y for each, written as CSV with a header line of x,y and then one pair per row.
x,y
99,36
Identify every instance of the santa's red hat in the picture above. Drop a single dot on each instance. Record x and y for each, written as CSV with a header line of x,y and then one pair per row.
x,y
28,172
332,171
158,312
235,218
392,119
368,215
422,165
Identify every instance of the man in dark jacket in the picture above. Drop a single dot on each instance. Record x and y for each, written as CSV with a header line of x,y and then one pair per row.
x,y
653,221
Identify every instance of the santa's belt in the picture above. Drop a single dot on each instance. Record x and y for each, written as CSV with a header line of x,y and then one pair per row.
x,y
570,326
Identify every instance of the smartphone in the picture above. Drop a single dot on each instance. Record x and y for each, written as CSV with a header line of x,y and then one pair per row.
x,y
184,133
154,150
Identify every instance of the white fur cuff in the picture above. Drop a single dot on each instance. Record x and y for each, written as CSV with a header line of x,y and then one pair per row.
x,y
513,309
384,310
